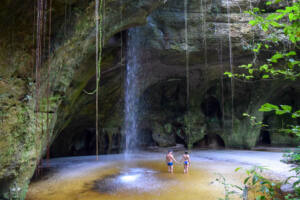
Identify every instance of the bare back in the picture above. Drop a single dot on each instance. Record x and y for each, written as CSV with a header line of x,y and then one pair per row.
x,y
186,157
170,158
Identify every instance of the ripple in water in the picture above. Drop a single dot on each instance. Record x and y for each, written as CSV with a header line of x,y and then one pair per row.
x,y
137,180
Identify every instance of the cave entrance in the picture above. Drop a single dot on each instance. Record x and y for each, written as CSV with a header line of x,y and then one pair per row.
x,y
211,141
180,140
72,143
82,142
145,138
212,111
105,142
211,107
264,138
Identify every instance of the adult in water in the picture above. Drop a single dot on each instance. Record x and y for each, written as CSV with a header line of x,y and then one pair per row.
x,y
186,162
170,161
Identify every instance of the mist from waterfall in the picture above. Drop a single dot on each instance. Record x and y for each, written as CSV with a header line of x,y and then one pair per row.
x,y
131,90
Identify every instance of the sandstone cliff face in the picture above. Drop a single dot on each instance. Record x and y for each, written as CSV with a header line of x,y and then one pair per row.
x,y
211,116
24,135
213,112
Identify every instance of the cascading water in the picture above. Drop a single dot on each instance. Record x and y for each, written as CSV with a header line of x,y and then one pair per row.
x,y
131,90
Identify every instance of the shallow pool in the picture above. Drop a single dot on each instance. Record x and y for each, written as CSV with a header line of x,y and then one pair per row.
x,y
144,178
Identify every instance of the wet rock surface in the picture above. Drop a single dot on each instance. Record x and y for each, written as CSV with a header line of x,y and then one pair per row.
x,y
215,106
210,117
24,134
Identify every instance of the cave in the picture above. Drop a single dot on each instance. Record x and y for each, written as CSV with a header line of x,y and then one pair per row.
x,y
212,111
162,66
264,138
211,107
211,141
70,144
272,134
116,143
180,140
145,138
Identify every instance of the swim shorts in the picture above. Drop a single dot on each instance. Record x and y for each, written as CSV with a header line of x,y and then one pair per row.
x,y
170,163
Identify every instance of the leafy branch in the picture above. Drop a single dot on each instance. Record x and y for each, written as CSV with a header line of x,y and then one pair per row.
x,y
281,110
254,183
283,24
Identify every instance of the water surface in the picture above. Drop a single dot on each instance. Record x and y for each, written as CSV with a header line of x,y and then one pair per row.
x,y
133,181
145,176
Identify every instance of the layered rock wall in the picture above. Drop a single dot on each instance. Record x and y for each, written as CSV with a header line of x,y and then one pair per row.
x,y
211,116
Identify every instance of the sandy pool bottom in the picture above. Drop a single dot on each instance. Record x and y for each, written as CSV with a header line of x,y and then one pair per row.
x,y
136,180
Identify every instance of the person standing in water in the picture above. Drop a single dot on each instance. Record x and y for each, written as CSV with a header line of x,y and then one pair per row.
x,y
170,161
186,162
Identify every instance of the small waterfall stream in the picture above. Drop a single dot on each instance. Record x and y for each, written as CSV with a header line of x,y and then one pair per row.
x,y
131,90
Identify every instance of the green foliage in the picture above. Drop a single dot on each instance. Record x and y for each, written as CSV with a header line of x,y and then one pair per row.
x,y
258,184
283,109
254,182
281,64
294,129
282,25
230,190
294,158
286,19
254,121
280,110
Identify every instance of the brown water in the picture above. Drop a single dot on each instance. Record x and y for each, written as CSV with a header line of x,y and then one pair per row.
x,y
136,180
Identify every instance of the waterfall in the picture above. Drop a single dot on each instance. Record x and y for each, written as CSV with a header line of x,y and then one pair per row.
x,y
131,90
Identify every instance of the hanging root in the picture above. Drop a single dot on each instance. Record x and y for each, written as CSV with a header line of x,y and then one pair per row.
x,y
48,79
99,44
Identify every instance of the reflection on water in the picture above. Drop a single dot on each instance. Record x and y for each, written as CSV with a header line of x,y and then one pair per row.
x,y
138,180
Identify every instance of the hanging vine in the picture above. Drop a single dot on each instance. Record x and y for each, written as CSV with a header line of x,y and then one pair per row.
x,y
99,44
48,78
38,61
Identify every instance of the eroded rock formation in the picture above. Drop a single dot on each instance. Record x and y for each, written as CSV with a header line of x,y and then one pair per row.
x,y
23,138
211,116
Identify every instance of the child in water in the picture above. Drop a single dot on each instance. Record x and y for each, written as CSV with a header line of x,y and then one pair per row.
x,y
170,161
186,162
